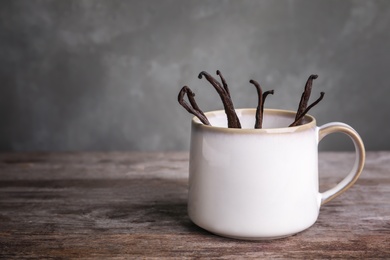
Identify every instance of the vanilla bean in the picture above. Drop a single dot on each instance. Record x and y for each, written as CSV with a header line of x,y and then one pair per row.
x,y
297,121
224,83
259,114
265,94
194,108
232,118
305,96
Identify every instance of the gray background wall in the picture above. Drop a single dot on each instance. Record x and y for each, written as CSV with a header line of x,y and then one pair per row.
x,y
104,75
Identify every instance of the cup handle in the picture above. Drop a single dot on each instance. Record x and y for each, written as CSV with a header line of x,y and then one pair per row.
x,y
351,178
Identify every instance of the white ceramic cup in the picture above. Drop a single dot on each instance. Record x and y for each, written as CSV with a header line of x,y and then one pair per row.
x,y
260,183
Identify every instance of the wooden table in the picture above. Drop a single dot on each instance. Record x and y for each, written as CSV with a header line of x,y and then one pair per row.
x,y
133,205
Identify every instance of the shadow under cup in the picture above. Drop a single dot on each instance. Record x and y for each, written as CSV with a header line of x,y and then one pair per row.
x,y
254,183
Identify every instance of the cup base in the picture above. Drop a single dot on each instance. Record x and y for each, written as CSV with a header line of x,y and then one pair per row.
x,y
263,237
254,238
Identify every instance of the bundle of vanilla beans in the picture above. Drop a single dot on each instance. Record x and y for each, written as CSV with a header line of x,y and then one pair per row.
x,y
232,118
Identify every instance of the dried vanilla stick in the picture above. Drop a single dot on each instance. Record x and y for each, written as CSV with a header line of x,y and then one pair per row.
x,y
193,108
305,97
260,105
223,91
300,117
303,108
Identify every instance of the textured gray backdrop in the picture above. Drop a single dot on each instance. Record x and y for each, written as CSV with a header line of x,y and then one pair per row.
x,y
104,75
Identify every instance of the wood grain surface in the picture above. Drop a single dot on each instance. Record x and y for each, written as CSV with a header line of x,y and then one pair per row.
x,y
133,205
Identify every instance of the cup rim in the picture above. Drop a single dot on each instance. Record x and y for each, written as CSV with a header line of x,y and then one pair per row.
x,y
310,122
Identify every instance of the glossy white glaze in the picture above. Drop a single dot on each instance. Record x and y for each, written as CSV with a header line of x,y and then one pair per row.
x,y
254,183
